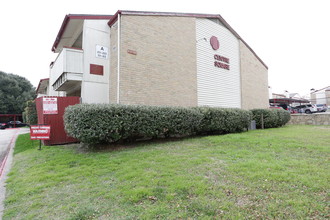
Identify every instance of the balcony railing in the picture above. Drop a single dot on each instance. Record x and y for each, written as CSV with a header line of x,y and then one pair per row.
x,y
66,72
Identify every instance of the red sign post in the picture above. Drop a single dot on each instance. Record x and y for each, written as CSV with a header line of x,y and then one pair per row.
x,y
40,132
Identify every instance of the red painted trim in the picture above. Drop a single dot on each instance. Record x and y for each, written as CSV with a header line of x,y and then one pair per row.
x,y
148,13
10,145
96,69
214,43
133,52
92,17
239,37
61,31
114,18
67,19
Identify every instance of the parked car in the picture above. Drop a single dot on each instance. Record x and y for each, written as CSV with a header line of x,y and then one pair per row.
x,y
272,106
3,125
284,106
308,109
287,108
321,107
12,124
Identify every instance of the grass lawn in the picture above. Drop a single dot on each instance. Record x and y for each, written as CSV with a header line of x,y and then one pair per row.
x,y
278,173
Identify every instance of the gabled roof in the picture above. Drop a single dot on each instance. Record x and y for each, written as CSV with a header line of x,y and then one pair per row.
x,y
325,89
79,18
73,20
42,86
216,16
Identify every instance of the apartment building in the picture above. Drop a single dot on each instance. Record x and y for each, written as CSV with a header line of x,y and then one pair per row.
x,y
321,96
156,58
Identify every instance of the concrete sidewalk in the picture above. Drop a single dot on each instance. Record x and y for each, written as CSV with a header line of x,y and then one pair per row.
x,y
7,143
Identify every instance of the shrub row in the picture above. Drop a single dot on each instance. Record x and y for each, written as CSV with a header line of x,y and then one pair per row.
x,y
272,118
101,123
91,123
223,120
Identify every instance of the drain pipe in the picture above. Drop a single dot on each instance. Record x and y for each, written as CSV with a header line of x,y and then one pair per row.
x,y
118,58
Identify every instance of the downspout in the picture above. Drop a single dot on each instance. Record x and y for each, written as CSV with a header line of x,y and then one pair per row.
x,y
240,77
118,58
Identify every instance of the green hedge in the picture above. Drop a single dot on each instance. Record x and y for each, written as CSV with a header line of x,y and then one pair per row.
x,y
272,118
223,120
95,123
101,123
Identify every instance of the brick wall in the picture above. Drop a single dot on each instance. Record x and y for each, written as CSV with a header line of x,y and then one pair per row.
x,y
158,64
113,63
254,80
158,61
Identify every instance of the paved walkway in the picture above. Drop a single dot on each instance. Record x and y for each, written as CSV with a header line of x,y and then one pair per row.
x,y
7,142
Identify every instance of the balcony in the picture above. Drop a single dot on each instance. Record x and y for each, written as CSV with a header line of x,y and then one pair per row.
x,y
66,72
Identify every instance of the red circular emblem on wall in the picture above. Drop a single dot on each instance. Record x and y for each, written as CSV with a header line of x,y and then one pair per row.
x,y
214,43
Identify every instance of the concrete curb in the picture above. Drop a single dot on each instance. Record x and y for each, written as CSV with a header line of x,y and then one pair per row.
x,y
10,146
5,168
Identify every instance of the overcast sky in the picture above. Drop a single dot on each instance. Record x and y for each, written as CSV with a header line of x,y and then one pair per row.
x,y
291,36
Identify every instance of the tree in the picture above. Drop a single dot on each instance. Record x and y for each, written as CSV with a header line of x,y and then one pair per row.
x,y
14,92
30,115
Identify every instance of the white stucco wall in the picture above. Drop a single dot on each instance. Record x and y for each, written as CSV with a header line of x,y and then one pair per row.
x,y
95,88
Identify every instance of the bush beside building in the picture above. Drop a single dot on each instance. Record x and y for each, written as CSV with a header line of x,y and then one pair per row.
x,y
270,118
102,123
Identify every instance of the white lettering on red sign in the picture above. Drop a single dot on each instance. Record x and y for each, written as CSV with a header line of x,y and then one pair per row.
x,y
40,132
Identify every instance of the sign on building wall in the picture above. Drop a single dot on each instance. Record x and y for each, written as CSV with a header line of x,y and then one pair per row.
x,y
101,52
49,106
218,68
219,61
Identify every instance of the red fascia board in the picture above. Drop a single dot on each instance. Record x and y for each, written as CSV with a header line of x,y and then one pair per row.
x,y
224,22
61,31
146,13
91,17
75,16
114,18
239,37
